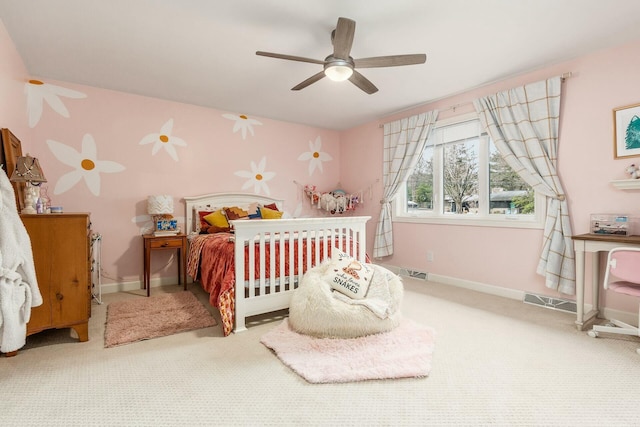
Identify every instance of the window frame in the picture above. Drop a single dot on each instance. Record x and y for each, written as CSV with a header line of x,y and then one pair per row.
x,y
483,218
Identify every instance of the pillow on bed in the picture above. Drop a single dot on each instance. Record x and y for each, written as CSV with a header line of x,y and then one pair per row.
x,y
212,229
347,275
217,218
272,206
254,211
267,213
200,223
235,212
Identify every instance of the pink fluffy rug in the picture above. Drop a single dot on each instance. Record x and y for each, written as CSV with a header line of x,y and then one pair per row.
x,y
400,353
144,318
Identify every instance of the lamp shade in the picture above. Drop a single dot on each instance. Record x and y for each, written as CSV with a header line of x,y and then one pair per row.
x,y
160,205
28,170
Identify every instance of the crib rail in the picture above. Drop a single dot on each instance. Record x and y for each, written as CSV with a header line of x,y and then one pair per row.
x,y
303,242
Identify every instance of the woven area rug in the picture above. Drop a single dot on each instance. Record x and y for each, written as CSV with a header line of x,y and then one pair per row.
x,y
401,353
157,316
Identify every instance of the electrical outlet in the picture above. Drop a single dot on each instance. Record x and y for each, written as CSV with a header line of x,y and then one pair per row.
x,y
430,256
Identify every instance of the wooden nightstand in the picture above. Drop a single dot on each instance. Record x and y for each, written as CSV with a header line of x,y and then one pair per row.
x,y
153,243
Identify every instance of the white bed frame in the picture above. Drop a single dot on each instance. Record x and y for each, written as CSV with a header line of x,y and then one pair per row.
x,y
264,295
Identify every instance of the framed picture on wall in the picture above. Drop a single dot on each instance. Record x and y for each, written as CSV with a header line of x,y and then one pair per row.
x,y
626,131
11,147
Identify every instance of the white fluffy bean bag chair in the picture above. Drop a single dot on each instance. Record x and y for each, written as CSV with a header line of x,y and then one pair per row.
x,y
318,310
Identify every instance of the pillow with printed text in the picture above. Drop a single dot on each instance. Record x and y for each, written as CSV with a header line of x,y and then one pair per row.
x,y
347,275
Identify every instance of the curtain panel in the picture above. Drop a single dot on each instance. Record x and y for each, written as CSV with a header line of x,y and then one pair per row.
x,y
523,124
404,141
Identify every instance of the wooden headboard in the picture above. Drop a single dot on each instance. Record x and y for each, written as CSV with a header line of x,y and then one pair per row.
x,y
222,200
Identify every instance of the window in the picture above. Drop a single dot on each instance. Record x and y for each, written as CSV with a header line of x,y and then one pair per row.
x,y
462,179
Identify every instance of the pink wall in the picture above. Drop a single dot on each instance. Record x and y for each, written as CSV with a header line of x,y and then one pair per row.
x,y
508,257
12,74
213,153
117,122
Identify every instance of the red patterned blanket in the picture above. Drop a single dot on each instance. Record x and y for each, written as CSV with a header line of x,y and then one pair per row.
x,y
211,261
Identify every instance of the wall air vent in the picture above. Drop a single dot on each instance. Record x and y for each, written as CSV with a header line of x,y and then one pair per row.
x,y
549,302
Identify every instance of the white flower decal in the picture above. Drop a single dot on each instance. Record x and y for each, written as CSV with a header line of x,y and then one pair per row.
x,y
86,165
316,156
164,140
242,123
257,177
38,92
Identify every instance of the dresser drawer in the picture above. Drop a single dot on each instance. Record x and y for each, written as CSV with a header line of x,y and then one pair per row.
x,y
169,242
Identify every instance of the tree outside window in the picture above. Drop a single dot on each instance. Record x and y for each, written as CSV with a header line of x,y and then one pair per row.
x,y
462,175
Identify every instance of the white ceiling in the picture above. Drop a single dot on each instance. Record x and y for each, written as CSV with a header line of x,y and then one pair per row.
x,y
202,52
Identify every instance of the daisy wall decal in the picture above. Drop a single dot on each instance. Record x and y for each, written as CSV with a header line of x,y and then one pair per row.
x,y
164,140
39,92
257,177
315,156
85,165
242,123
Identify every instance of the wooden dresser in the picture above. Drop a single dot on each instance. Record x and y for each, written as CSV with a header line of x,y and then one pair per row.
x,y
61,252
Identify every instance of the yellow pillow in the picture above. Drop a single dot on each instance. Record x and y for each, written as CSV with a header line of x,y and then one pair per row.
x,y
217,218
267,213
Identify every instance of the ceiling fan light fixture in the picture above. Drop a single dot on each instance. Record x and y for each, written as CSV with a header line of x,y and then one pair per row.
x,y
338,73
340,66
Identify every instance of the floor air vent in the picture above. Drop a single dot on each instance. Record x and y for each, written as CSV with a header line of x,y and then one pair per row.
x,y
413,273
552,303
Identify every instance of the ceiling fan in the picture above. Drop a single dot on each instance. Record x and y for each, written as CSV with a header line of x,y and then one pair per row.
x,y
339,66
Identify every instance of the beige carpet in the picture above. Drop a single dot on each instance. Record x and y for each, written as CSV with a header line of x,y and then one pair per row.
x,y
497,362
156,316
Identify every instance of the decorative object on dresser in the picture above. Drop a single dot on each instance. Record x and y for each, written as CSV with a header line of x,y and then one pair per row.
x,y
61,252
152,243
12,149
28,170
160,208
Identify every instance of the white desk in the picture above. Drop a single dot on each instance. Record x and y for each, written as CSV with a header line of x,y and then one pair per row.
x,y
594,243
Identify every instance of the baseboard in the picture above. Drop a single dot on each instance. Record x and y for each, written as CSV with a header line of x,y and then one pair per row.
x,y
461,283
606,313
136,285
623,316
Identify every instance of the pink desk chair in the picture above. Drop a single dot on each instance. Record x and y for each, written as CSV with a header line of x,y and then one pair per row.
x,y
622,276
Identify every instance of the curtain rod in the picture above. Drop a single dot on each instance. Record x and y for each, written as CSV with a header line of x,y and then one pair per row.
x,y
563,77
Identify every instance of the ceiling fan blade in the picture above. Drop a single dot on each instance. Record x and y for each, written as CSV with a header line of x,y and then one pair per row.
x,y
362,82
343,38
290,57
309,81
390,61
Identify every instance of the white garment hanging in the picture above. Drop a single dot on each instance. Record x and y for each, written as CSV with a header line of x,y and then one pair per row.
x,y
18,283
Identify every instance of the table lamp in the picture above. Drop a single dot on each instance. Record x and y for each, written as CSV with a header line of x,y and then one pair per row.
x,y
160,208
28,170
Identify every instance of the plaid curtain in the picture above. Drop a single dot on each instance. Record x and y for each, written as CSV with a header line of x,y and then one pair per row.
x,y
523,123
404,141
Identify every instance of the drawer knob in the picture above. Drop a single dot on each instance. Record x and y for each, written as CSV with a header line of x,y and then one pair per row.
x,y
59,296
165,244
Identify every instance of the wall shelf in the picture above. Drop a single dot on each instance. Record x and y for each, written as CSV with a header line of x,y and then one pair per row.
x,y
627,184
